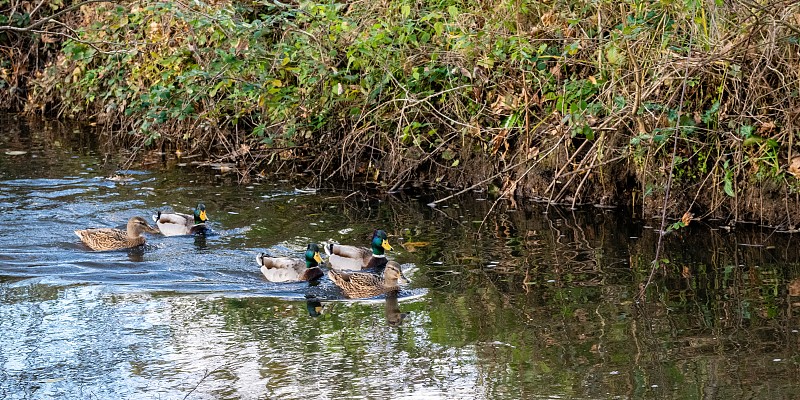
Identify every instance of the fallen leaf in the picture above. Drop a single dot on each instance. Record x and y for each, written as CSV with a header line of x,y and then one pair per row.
x,y
794,288
794,166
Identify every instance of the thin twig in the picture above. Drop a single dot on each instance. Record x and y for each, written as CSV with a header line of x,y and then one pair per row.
x,y
661,232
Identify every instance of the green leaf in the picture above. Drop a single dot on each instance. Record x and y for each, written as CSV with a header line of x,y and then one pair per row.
x,y
448,155
453,10
752,140
746,131
405,10
614,55
588,132
728,186
438,27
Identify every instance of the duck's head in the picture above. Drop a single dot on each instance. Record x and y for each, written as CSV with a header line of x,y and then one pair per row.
x,y
313,258
200,214
380,242
393,274
137,225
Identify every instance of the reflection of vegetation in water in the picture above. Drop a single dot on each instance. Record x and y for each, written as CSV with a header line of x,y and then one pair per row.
x,y
540,295
519,303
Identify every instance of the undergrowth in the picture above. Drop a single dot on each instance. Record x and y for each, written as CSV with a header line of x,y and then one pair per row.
x,y
569,101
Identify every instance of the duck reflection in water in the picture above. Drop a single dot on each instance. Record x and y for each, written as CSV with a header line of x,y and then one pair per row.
x,y
200,242
314,307
394,317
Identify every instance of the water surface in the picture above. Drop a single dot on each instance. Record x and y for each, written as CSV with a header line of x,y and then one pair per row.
x,y
535,302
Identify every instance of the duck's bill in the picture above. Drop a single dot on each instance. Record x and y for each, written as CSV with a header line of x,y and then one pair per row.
x,y
317,257
385,244
203,216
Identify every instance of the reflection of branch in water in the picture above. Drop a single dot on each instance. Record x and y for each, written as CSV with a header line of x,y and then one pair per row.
x,y
206,375
394,317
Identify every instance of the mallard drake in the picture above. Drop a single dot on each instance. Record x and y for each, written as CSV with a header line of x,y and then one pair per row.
x,y
174,224
355,258
284,269
358,285
116,239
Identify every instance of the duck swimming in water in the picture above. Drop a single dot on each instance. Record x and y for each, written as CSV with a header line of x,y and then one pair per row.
x,y
103,239
175,224
353,258
284,269
359,285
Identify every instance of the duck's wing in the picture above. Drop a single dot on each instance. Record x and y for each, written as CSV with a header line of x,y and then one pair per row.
x,y
107,239
338,276
354,252
365,279
281,269
345,263
357,284
173,224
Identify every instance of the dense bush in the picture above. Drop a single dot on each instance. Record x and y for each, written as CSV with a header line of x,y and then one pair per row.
x,y
569,101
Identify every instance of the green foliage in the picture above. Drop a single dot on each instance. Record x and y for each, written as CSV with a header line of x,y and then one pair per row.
x,y
728,179
576,101
431,84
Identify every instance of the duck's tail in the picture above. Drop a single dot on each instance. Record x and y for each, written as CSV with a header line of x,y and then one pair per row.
x,y
329,248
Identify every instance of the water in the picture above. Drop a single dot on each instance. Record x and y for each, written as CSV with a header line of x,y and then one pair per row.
x,y
508,304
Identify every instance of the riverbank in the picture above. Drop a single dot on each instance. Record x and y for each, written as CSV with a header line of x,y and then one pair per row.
x,y
614,104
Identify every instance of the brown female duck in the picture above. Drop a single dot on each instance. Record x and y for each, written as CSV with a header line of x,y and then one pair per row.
x,y
102,239
356,285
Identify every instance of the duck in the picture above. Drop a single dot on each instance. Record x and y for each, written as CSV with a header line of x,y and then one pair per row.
x,y
359,284
284,269
394,317
175,224
103,239
353,258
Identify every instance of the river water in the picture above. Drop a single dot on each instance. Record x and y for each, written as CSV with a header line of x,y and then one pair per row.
x,y
533,302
